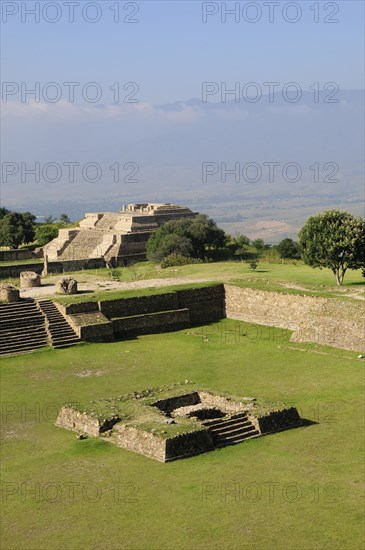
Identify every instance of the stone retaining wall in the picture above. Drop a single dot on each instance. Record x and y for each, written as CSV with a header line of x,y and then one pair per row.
x,y
277,421
204,398
139,441
164,450
149,323
171,403
326,321
222,403
139,305
16,255
7,271
92,327
150,314
188,444
206,305
77,421
82,307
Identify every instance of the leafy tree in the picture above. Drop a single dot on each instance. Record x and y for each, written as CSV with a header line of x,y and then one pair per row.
x,y
65,219
3,212
187,237
237,246
288,248
16,228
49,219
253,264
334,239
45,233
173,244
259,244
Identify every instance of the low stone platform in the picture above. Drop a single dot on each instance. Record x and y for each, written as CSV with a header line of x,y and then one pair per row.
x,y
179,424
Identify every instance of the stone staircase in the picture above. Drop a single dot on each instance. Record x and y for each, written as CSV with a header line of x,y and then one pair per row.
x,y
108,220
84,244
22,328
231,430
60,333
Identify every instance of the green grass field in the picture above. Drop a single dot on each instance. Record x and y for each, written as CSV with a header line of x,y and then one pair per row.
x,y
299,489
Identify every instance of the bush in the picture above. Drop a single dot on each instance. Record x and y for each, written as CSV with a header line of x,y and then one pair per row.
x,y
177,259
46,233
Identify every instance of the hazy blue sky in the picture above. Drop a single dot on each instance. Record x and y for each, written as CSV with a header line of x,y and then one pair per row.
x,y
170,51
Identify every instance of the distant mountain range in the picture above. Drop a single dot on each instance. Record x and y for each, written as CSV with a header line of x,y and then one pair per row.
x,y
173,144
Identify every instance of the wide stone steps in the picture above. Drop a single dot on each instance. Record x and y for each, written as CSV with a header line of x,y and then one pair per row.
x,y
219,422
230,431
23,349
15,335
22,328
84,243
60,332
20,321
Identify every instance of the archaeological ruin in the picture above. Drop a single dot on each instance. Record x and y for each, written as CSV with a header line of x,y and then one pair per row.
x,y
115,237
176,421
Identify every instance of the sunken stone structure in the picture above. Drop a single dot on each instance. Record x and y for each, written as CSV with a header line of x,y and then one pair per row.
x,y
114,236
183,421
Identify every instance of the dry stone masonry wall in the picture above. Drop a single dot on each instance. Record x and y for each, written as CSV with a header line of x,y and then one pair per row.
x,y
325,321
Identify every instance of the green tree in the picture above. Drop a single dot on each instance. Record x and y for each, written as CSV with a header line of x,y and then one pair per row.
x,y
188,237
16,228
3,212
334,239
45,233
259,245
49,219
288,248
64,219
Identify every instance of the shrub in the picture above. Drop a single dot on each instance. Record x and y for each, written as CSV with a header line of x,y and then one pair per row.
x,y
178,259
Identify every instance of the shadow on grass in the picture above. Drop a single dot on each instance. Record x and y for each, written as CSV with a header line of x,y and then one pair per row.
x,y
306,422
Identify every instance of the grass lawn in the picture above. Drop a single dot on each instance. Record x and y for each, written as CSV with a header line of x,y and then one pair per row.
x,y
299,489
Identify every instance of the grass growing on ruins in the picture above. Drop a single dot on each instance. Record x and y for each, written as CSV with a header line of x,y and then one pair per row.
x,y
114,295
298,489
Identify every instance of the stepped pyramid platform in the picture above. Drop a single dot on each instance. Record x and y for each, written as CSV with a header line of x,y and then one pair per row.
x,y
114,236
176,421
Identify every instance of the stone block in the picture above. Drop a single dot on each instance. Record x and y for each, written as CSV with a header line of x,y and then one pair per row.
x,y
9,293
30,279
66,286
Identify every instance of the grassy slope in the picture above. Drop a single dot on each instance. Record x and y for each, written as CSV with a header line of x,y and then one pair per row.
x,y
163,505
